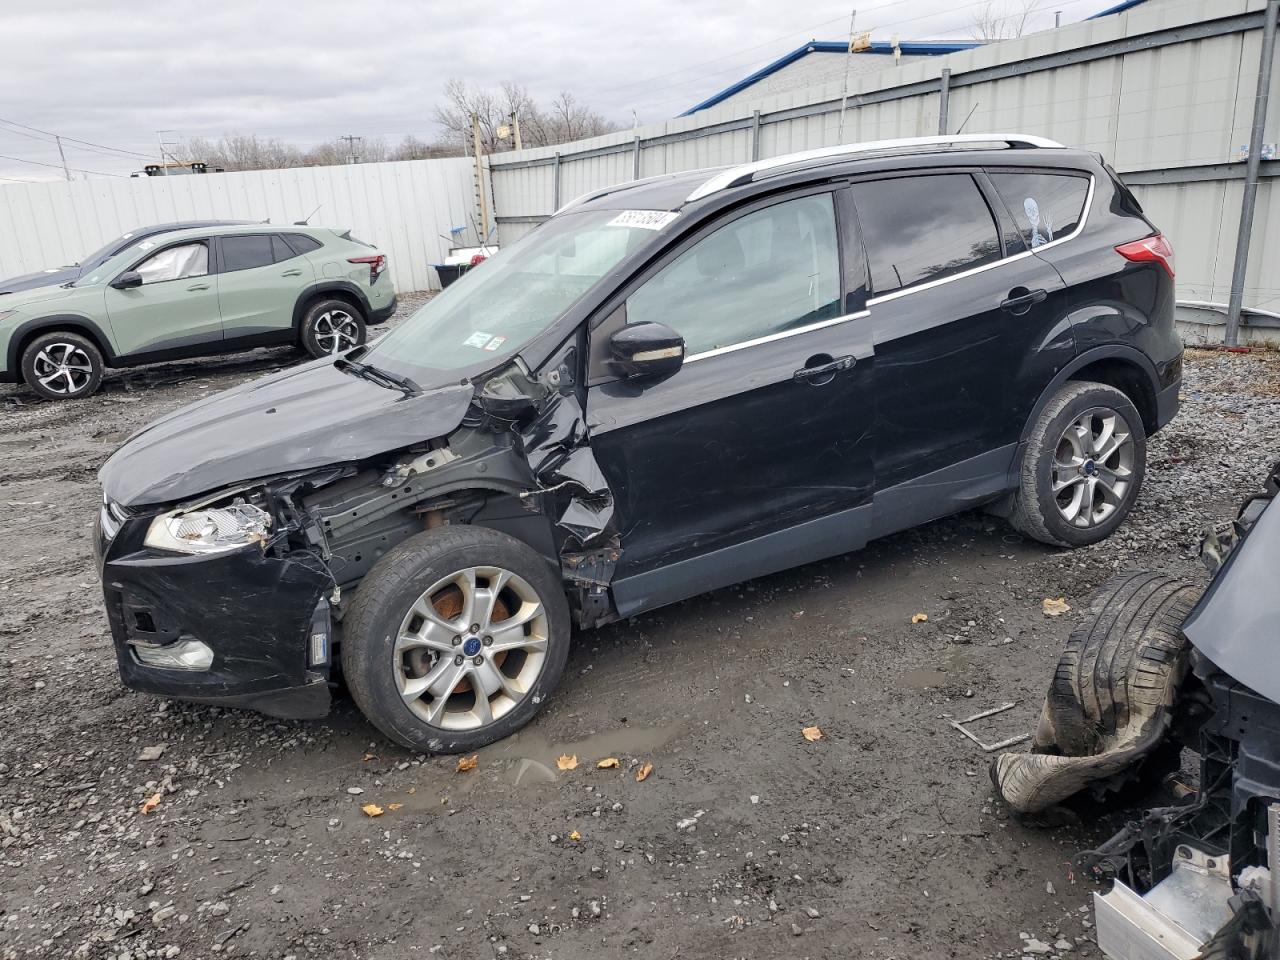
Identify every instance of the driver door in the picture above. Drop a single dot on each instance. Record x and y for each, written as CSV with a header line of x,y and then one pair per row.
x,y
174,309
756,455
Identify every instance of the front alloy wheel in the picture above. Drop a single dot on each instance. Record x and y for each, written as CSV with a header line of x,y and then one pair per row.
x,y
456,638
63,368
335,331
471,648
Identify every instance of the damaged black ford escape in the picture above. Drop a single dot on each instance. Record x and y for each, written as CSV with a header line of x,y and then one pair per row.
x,y
670,386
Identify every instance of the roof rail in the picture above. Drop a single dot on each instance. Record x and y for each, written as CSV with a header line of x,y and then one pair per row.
x,y
747,171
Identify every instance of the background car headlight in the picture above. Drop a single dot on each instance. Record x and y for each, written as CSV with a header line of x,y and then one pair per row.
x,y
209,529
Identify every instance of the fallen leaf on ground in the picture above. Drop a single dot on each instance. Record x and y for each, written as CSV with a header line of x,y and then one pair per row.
x,y
608,763
1055,608
567,762
394,806
372,810
575,835
370,756
468,763
151,803
413,789
643,773
812,733
919,618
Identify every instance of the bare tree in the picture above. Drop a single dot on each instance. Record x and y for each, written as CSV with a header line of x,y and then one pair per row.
x,y
565,119
338,151
411,148
1002,20
244,152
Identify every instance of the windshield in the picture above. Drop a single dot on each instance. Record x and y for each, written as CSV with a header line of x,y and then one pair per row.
x,y
507,300
104,253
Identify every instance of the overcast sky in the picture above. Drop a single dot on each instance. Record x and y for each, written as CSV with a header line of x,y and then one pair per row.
x,y
309,70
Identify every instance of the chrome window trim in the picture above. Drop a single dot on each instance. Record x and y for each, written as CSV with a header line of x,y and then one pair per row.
x,y
1084,219
781,335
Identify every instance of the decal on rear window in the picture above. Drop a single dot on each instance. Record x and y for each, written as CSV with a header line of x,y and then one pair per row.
x,y
644,219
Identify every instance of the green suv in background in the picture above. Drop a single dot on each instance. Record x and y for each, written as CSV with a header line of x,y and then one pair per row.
x,y
194,293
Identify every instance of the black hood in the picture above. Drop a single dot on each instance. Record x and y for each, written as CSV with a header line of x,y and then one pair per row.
x,y
1236,624
308,416
41,278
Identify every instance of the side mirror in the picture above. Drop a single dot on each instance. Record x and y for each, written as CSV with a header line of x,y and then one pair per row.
x,y
647,350
127,280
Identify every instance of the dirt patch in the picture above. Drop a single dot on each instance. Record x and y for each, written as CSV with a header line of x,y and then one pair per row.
x,y
882,839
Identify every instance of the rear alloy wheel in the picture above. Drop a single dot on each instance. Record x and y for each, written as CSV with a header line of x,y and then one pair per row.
x,y
62,366
1082,467
455,639
331,327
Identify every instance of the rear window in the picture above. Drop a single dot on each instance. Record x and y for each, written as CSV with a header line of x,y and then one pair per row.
x,y
281,249
302,243
919,229
1045,206
244,253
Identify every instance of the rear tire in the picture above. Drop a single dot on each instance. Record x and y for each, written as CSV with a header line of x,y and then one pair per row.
x,y
62,366
330,327
418,671
1082,468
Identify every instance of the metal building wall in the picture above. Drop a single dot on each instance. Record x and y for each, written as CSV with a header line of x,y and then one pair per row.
x,y
1164,91
407,208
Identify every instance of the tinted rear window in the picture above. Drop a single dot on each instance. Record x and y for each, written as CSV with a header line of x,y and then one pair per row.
x,y
281,249
244,253
1045,206
924,228
302,243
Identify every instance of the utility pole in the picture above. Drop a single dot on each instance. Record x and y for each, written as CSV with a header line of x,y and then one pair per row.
x,y
351,142
848,63
481,192
1231,336
160,141
1057,19
515,130
65,172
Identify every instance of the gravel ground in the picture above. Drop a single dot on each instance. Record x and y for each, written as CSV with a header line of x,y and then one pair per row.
x,y
882,839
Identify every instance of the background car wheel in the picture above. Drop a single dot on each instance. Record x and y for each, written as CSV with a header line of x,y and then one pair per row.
x,y
1082,468
455,639
62,366
1109,712
331,326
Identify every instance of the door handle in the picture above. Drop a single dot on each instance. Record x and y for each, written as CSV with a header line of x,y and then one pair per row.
x,y
1021,300
292,273
824,372
198,286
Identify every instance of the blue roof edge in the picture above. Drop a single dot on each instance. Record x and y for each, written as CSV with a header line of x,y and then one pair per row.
x,y
1118,8
909,47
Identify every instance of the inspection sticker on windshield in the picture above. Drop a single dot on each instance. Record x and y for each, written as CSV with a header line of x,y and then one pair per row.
x,y
495,343
477,339
644,219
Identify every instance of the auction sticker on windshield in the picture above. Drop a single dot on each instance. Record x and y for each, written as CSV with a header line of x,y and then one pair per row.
x,y
644,219
477,339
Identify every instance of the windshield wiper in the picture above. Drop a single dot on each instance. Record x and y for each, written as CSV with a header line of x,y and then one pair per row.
x,y
382,377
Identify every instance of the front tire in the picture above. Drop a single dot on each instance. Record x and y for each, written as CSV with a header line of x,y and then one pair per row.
x,y
330,327
1082,468
62,366
455,639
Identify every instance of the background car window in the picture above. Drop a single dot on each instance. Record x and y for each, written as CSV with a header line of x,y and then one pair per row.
x,y
770,271
1046,206
919,229
302,243
281,249
243,253
175,263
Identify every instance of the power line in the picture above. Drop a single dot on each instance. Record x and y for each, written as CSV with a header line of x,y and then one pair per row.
x,y
58,166
84,143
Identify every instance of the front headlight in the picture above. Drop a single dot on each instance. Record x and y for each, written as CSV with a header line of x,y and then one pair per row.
x,y
209,529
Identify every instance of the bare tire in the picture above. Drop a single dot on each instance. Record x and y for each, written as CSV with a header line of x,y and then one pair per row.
x,y
62,366
1109,709
455,639
1082,467
330,327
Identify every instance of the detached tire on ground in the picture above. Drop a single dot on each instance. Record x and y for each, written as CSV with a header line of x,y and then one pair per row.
x,y
455,639
1110,705
62,366
1083,466
330,327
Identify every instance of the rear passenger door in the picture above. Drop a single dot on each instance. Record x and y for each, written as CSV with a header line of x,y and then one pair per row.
x,y
957,302
259,279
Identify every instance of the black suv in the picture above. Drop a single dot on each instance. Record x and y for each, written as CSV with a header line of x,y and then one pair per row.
x,y
670,386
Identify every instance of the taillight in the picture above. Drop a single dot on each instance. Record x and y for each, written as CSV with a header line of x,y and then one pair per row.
x,y
1149,250
377,263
